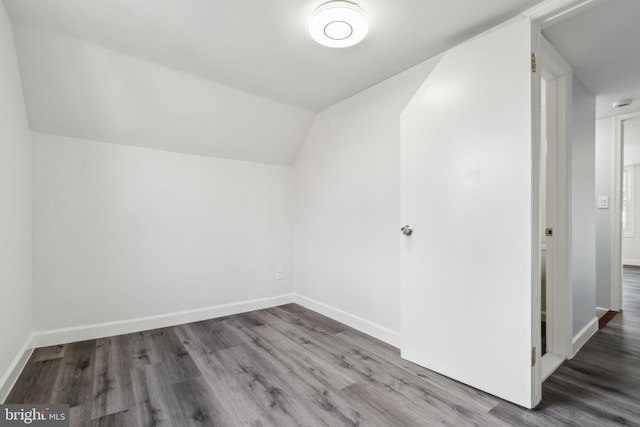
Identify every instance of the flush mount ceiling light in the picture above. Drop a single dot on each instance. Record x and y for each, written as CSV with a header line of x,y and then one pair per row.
x,y
621,103
338,24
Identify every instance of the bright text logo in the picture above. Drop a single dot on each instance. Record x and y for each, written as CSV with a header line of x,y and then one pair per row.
x,y
34,415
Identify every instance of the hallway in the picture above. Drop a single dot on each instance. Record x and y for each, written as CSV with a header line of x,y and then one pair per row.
x,y
601,385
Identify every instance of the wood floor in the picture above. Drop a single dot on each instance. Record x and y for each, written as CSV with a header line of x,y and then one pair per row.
x,y
288,366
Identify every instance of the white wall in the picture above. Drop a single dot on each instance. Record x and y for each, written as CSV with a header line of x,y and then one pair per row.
x,y
605,149
79,89
583,207
15,211
347,208
127,232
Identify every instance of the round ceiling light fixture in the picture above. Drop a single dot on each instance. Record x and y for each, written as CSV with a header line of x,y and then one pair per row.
x,y
338,24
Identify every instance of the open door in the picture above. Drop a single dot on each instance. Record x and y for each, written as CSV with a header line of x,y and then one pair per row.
x,y
470,264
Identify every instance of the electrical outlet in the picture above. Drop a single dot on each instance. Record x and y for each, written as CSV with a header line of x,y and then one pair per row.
x,y
279,273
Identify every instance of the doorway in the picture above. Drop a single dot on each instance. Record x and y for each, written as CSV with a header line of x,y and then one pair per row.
x,y
626,245
599,38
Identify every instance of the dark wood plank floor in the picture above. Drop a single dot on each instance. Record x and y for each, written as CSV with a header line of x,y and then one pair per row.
x,y
289,366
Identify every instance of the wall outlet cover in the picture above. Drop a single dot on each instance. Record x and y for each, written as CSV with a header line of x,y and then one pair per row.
x,y
603,202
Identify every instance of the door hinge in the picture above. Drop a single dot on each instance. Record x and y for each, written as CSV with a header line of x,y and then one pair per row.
x,y
533,356
534,65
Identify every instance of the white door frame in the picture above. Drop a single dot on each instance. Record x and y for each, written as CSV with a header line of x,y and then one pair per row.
x,y
616,218
558,73
553,11
555,68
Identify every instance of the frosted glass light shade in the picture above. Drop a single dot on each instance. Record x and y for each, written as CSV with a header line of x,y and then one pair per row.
x,y
338,24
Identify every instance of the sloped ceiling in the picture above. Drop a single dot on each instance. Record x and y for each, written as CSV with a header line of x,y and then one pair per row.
x,y
81,90
238,79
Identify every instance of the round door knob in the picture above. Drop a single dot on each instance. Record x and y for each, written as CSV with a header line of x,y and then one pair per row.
x,y
406,230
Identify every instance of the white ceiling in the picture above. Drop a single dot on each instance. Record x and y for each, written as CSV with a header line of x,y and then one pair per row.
x,y
248,76
603,46
263,46
242,79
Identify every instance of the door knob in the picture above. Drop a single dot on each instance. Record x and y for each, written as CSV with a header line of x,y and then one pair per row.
x,y
406,230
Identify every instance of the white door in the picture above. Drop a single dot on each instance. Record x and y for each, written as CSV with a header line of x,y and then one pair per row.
x,y
468,281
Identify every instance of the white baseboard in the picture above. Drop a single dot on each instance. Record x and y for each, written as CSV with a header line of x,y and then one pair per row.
x,y
9,378
550,362
601,311
583,336
363,325
107,329
634,262
101,330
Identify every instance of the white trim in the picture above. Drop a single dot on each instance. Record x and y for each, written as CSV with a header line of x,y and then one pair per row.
x,y
552,64
537,170
558,73
536,240
363,325
634,262
15,369
100,330
583,336
601,311
558,308
549,363
563,297
553,11
616,218
107,329
631,200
